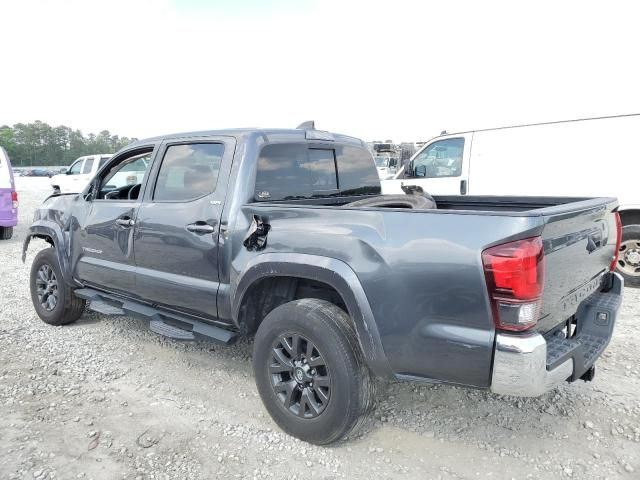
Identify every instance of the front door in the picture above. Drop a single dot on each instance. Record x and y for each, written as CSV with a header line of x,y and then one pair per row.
x,y
177,226
442,167
103,243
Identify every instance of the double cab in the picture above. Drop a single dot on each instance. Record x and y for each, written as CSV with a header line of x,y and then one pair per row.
x,y
284,236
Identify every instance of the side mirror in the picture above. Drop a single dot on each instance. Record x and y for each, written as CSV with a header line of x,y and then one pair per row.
x,y
68,172
420,171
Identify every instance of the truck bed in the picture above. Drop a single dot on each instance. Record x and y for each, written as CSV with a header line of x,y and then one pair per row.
x,y
423,274
474,203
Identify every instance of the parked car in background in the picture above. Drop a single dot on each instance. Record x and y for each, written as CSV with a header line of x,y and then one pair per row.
x,y
8,197
283,235
37,172
588,157
78,175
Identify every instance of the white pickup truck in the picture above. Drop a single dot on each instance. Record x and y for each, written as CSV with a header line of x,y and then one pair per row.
x,y
80,173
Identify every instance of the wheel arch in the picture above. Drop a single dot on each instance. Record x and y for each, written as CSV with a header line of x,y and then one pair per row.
x,y
629,215
52,234
337,275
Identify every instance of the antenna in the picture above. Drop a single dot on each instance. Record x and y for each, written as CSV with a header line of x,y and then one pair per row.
x,y
308,125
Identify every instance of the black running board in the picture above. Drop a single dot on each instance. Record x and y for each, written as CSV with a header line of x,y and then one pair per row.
x,y
169,324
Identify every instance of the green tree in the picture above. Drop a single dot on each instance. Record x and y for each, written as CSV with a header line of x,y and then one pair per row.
x,y
40,144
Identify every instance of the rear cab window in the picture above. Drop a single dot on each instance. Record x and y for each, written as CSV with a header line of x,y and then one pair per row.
x,y
295,171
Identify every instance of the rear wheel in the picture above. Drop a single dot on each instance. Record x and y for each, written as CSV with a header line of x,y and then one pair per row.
x,y
309,371
629,255
6,233
52,298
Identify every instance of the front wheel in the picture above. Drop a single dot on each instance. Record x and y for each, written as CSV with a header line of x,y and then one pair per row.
x,y
309,371
629,255
52,298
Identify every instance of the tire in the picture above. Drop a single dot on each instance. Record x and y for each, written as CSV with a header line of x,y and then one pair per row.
x,y
67,308
628,262
6,233
347,386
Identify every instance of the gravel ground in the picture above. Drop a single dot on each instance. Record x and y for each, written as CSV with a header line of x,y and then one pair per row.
x,y
105,398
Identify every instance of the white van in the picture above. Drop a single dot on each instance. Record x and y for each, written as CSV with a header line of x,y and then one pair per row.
x,y
590,157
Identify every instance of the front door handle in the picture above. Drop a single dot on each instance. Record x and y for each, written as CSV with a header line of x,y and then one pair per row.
x,y
201,228
125,222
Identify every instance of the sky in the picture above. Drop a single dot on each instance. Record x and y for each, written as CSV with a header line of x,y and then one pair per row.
x,y
399,70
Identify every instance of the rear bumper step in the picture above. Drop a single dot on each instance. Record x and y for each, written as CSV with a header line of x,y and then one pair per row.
x,y
169,324
530,364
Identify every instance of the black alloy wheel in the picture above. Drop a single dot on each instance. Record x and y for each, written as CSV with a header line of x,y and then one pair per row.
x,y
300,377
47,287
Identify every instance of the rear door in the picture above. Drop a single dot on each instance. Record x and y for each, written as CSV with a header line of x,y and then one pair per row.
x,y
178,225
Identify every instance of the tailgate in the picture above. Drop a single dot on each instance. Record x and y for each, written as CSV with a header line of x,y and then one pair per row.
x,y
579,241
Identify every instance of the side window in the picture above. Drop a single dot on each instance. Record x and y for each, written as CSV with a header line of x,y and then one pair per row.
x,y
124,180
88,165
76,168
440,159
188,172
103,160
294,171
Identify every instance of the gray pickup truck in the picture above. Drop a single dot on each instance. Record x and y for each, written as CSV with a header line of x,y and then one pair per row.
x,y
283,235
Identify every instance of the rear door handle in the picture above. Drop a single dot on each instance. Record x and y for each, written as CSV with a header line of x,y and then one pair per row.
x,y
125,222
199,227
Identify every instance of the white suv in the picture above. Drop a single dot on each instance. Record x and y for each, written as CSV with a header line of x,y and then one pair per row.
x,y
78,174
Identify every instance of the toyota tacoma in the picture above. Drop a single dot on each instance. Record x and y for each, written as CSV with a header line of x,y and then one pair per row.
x,y
284,236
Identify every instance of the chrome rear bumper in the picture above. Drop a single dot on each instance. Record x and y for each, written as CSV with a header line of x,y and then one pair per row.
x,y
528,365
520,366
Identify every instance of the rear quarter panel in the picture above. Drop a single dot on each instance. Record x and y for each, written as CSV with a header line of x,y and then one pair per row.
x,y
421,272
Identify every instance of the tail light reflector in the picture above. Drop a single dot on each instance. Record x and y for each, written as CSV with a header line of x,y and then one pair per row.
x,y
14,199
614,262
514,273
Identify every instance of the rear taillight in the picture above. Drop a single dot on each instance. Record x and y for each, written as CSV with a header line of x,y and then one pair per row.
x,y
14,199
132,180
614,262
515,278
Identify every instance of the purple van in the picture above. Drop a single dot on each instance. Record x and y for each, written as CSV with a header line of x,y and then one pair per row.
x,y
8,197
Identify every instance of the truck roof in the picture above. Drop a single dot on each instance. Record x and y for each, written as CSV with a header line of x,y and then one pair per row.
x,y
269,134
